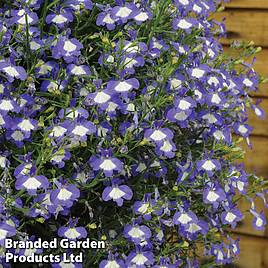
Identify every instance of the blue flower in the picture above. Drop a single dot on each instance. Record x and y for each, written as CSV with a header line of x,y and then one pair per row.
x,y
106,163
117,193
137,233
65,194
72,232
6,230
69,49
32,183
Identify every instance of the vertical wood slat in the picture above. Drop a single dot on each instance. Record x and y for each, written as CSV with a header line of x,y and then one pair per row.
x,y
245,22
245,25
246,226
260,66
262,4
260,125
256,159
254,252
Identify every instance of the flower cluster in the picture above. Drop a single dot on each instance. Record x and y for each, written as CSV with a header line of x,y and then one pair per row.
x,y
119,120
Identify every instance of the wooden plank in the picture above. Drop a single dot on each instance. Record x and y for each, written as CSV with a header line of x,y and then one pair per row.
x,y
245,25
260,126
254,252
256,159
260,66
246,227
262,4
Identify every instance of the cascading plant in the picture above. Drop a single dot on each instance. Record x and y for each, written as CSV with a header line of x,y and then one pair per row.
x,y
120,121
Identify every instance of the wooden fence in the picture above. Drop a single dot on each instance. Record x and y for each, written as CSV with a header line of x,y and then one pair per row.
x,y
248,20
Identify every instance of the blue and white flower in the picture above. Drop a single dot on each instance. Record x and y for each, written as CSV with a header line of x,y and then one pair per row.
x,y
32,183
106,163
72,233
117,193
137,233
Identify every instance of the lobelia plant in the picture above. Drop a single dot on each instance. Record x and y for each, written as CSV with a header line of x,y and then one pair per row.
x,y
120,121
